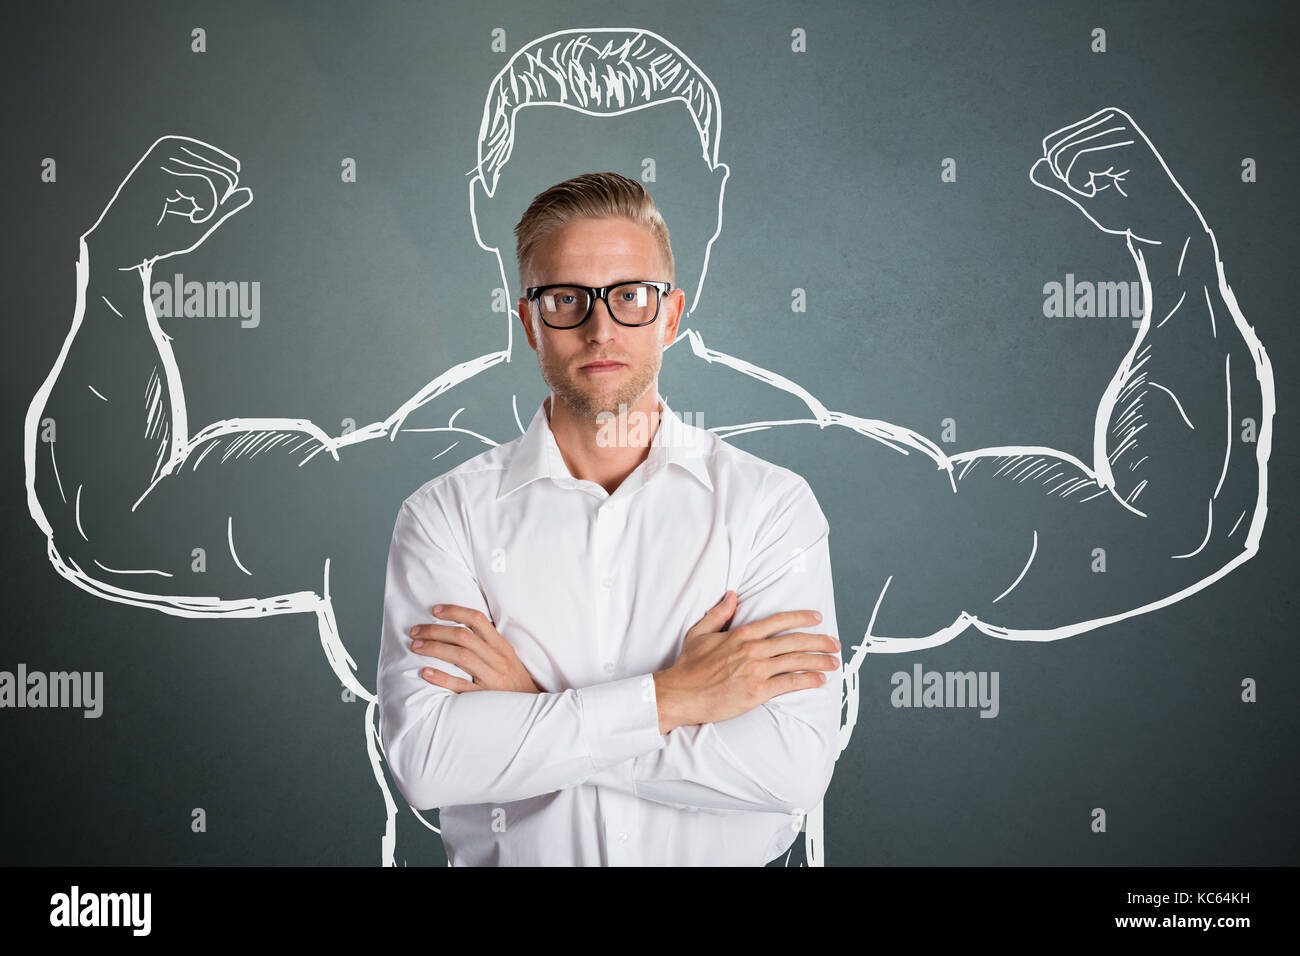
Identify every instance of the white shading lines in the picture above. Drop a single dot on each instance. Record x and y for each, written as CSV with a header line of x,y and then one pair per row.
x,y
1176,307
445,450
230,540
1032,551
1176,403
165,574
1209,524
1227,445
77,510
514,406
55,465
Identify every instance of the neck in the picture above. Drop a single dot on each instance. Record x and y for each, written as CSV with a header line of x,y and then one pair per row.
x,y
608,449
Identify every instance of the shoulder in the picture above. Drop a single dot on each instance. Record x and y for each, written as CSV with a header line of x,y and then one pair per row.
x,y
761,488
470,481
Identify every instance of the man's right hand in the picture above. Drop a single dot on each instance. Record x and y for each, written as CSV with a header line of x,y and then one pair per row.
x,y
721,674
179,192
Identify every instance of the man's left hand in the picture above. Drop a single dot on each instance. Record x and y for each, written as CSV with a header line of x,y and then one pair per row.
x,y
477,648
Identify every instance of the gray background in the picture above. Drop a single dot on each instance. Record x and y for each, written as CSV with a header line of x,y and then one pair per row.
x,y
925,303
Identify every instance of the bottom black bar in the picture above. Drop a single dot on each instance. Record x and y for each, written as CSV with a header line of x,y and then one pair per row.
x,y
336,905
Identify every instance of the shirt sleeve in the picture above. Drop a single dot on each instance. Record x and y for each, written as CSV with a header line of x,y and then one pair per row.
x,y
446,748
780,755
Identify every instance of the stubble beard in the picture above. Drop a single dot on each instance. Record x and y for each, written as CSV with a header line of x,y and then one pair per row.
x,y
596,399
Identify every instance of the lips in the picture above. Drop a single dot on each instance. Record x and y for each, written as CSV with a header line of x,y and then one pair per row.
x,y
601,365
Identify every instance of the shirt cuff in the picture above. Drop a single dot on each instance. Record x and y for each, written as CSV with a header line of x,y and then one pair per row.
x,y
620,720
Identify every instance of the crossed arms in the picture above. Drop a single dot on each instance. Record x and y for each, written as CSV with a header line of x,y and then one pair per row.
x,y
447,748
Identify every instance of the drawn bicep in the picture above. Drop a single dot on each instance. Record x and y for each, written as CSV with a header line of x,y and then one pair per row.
x,y
1022,542
256,514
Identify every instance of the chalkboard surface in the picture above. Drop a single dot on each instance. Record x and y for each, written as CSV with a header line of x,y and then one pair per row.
x,y
1005,282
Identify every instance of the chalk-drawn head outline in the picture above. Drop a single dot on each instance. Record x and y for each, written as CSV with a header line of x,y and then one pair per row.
x,y
607,71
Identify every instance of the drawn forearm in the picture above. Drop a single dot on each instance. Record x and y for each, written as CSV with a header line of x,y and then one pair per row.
x,y
114,410
1184,399
1174,495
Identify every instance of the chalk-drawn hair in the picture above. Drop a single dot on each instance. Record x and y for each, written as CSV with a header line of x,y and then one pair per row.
x,y
590,196
604,71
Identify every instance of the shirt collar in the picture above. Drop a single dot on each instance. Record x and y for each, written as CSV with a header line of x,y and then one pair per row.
x,y
538,454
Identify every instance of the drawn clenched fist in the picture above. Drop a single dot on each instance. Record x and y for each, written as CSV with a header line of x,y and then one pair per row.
x,y
1106,166
172,199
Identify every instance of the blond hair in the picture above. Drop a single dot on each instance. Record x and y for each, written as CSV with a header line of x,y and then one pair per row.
x,y
590,196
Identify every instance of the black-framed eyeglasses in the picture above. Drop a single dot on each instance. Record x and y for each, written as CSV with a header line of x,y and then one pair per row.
x,y
565,306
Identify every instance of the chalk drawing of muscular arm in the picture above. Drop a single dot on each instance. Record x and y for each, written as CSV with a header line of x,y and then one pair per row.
x,y
113,470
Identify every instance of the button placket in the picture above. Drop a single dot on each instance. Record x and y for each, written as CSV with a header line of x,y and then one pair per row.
x,y
609,526
604,552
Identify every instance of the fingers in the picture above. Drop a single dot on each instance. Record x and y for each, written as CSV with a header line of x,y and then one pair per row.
x,y
227,165
786,683
215,174
776,623
205,152
196,187
236,200
801,661
470,647
1102,119
442,679
1044,176
472,664
716,617
216,169
455,644
481,636
1071,151
791,643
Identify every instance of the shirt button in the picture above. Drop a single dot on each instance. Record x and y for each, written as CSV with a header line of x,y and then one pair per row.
x,y
622,837
609,668
607,583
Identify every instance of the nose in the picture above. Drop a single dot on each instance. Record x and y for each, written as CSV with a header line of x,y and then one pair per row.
x,y
600,324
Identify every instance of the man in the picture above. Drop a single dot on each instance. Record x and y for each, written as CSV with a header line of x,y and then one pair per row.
x,y
587,703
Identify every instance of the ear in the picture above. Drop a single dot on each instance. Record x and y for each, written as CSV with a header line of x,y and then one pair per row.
x,y
675,306
721,173
480,214
525,316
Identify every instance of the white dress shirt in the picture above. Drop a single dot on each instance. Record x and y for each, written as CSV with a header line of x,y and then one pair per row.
x,y
595,592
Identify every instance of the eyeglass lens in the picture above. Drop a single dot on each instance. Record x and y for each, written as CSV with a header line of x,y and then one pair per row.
x,y
632,302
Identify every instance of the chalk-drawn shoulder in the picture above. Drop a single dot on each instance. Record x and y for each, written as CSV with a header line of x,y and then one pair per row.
x,y
724,392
